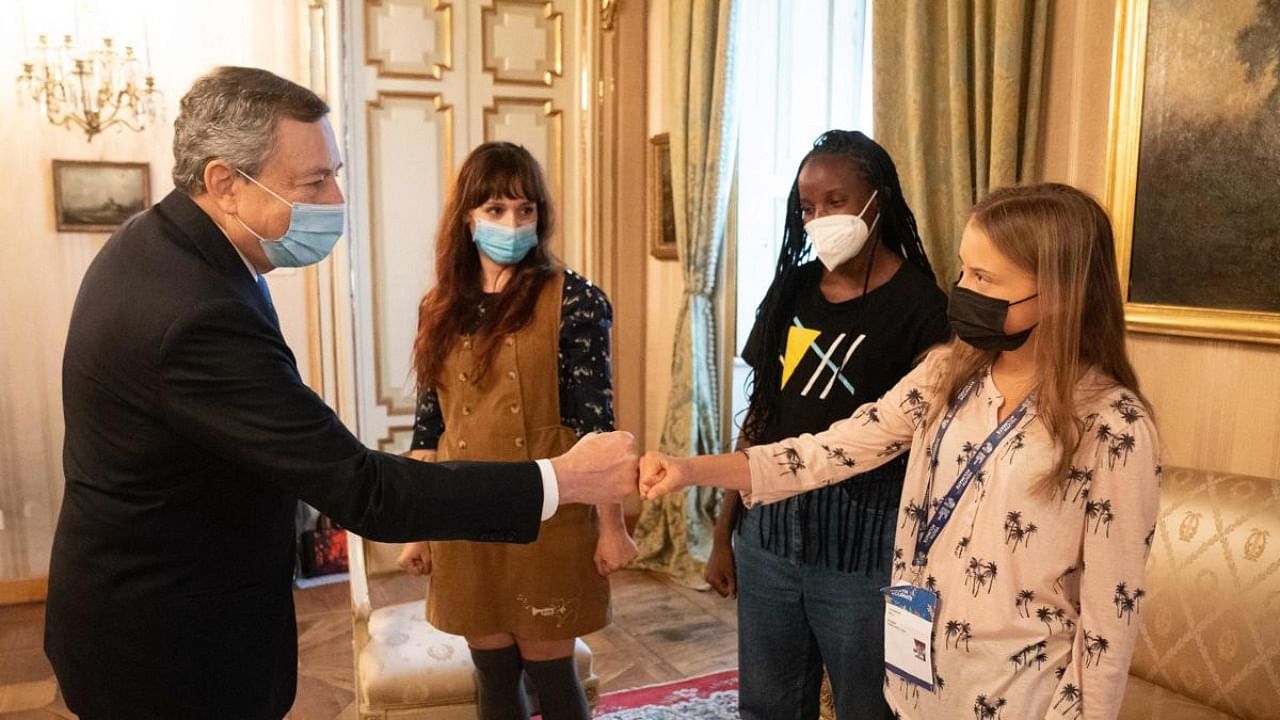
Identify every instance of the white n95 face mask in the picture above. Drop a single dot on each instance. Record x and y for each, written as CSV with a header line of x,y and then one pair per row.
x,y
839,238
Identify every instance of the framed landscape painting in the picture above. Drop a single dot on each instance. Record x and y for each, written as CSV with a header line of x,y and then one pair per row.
x,y
98,196
1193,180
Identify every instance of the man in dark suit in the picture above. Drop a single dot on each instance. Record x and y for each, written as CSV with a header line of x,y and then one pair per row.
x,y
190,435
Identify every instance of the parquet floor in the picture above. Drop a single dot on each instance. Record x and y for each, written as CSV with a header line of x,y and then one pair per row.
x,y
660,632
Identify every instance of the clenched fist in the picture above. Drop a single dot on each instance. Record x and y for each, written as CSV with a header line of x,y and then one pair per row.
x,y
599,470
660,475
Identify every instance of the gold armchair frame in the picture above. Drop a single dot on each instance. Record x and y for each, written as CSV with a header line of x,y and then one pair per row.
x,y
1123,140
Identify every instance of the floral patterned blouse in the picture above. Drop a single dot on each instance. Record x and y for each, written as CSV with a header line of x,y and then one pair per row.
x,y
1038,594
586,381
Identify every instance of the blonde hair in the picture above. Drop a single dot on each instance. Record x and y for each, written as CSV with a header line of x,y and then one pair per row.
x,y
1063,237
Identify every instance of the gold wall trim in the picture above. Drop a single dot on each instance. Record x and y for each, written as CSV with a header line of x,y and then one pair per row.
x,y
436,104
1124,137
555,133
552,67
434,68
389,436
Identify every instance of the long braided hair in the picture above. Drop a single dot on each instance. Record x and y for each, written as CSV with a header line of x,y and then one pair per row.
x,y
897,230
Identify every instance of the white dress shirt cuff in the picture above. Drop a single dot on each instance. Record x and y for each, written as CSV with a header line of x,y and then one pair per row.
x,y
550,489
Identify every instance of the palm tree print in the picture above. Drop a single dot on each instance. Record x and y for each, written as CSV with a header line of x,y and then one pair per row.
x,y
839,456
871,415
1100,512
899,564
1073,697
961,546
790,460
892,448
1095,647
1079,479
960,631
1034,653
981,573
983,710
966,451
1127,602
1023,603
1017,533
1067,624
1015,444
1120,448
1127,408
1045,615
914,514
915,406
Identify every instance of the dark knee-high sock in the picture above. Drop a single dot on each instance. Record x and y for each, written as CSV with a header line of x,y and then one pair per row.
x,y
498,675
560,693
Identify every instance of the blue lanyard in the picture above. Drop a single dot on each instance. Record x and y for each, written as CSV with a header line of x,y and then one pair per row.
x,y
928,533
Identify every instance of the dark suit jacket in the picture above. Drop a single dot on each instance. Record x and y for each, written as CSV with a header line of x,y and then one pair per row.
x,y
189,439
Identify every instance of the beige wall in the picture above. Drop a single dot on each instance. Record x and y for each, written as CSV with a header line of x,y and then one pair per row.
x,y
1217,403
665,283
42,268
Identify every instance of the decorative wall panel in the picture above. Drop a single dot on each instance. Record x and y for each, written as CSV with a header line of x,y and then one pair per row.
x,y
409,38
522,42
410,161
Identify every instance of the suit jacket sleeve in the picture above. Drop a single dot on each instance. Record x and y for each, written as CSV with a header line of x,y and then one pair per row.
x,y
230,386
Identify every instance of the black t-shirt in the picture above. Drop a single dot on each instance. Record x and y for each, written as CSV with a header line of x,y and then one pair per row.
x,y
836,357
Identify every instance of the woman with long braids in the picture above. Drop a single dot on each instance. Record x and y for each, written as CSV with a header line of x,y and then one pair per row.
x,y
512,360
831,334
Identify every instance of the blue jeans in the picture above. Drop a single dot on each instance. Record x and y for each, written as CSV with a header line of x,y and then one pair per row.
x,y
794,618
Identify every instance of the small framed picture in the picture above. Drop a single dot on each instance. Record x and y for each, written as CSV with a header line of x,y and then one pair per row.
x,y
662,217
98,196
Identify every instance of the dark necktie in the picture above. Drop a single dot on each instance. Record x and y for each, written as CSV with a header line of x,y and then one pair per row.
x,y
266,298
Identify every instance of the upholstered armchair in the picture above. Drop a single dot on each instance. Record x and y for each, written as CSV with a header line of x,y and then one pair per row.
x,y
405,669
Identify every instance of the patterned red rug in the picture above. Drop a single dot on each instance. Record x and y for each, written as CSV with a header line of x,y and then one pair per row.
x,y
708,697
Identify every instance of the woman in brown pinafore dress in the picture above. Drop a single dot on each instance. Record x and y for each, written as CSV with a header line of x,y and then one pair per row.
x,y
512,356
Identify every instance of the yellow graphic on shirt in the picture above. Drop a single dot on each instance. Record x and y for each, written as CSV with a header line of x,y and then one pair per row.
x,y
798,341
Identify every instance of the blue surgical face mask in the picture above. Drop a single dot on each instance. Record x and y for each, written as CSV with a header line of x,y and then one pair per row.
x,y
505,245
313,231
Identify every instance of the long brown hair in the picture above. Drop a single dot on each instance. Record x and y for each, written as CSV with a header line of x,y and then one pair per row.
x,y
448,310
1063,237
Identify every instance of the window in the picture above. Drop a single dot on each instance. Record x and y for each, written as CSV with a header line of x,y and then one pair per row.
x,y
804,68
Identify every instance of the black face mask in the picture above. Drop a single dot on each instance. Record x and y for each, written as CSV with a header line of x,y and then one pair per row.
x,y
979,320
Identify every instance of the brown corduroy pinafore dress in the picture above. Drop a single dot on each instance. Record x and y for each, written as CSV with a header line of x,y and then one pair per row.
x,y
546,590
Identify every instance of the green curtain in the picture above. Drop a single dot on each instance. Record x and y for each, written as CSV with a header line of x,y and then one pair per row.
x,y
674,534
958,97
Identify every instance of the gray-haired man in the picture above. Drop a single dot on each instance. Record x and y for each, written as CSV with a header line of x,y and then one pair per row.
x,y
189,434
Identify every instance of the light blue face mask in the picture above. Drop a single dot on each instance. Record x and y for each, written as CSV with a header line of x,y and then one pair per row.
x,y
313,231
505,245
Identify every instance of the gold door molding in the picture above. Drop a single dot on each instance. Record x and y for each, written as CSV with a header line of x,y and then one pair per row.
x,y
547,25
381,16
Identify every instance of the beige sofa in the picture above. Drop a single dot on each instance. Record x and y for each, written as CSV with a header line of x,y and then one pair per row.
x,y
1209,643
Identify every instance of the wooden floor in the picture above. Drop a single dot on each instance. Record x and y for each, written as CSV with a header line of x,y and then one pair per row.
x,y
660,632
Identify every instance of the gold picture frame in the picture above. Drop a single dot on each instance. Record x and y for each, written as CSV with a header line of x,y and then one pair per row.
x,y
96,197
1125,138
662,218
